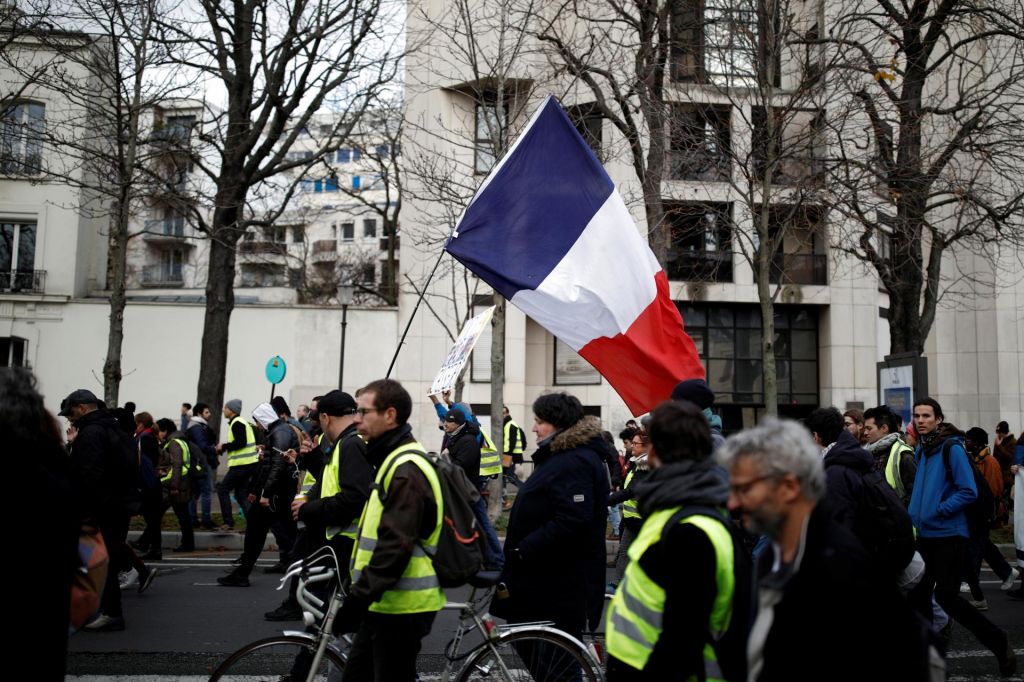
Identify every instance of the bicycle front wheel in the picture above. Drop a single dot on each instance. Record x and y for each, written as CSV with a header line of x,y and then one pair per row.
x,y
531,655
287,658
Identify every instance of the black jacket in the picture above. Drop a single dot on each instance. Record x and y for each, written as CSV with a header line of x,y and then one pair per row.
x,y
464,450
555,546
845,465
684,564
104,469
355,478
832,621
274,475
201,436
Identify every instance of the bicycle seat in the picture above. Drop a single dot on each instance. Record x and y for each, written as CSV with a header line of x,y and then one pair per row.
x,y
485,579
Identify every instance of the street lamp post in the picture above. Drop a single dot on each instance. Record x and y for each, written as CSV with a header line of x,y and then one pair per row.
x,y
346,293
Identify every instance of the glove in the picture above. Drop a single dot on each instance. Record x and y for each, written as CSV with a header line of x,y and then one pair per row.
x,y
351,614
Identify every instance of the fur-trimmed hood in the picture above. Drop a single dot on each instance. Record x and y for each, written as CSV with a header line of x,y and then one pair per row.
x,y
577,435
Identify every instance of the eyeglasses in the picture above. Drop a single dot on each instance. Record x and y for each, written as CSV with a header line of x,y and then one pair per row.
x,y
742,489
363,411
849,424
638,443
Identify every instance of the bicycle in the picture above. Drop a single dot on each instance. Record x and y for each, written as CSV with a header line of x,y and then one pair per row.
x,y
507,653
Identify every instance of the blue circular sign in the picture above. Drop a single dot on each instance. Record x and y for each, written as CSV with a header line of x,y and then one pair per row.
x,y
276,369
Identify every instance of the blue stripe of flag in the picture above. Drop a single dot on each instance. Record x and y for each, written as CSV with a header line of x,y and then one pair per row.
x,y
525,221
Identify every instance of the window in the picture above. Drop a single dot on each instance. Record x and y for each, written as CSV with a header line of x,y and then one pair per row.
x,y
298,156
370,228
701,249
367,273
17,257
13,352
263,275
571,369
491,131
21,138
381,151
801,257
348,232
715,41
699,143
274,233
178,129
588,120
357,153
355,182
331,184
343,156
793,145
299,234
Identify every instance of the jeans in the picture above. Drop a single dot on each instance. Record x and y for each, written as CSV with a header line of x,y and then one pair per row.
x,y
496,560
385,647
236,481
615,518
206,496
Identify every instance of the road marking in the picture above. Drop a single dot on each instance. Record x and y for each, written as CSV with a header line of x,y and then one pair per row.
x,y
978,653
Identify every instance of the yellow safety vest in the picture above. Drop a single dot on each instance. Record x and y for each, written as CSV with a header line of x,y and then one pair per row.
x,y
186,460
516,447
246,455
892,467
418,590
630,509
331,487
309,480
490,460
634,621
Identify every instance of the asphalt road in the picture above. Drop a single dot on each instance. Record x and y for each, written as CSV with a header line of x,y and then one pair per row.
x,y
186,624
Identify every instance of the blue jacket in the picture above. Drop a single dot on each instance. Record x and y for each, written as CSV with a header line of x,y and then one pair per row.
x,y
1018,453
937,503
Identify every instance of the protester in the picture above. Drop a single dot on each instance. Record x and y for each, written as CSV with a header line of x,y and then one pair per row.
x,y
813,579
513,443
894,459
176,462
186,415
202,442
554,545
696,391
1017,471
389,612
147,446
681,611
941,493
242,460
631,517
853,421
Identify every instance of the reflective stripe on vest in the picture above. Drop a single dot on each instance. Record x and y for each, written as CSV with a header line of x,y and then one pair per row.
x,y
517,446
246,455
308,481
186,460
490,460
630,510
634,621
331,487
892,467
418,590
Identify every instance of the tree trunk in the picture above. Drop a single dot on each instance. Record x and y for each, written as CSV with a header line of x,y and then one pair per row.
x,y
220,302
497,396
117,264
763,255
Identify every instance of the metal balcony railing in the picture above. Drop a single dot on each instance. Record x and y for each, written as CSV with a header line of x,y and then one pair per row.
x,y
22,281
163,275
699,266
269,248
165,227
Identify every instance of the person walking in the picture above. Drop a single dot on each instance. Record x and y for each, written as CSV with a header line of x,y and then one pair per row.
x,y
513,443
632,520
202,443
242,460
175,471
894,459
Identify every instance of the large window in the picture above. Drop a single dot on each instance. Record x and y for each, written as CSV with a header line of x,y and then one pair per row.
x,y
348,232
728,339
21,138
178,129
17,257
13,352
699,143
793,144
701,249
571,369
491,125
801,257
369,228
715,41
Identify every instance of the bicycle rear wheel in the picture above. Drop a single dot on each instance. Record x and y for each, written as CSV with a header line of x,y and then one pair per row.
x,y
531,655
286,658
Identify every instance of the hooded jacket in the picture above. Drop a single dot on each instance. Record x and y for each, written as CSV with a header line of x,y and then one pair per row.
x,y
554,546
202,437
846,462
275,476
683,563
937,505
103,471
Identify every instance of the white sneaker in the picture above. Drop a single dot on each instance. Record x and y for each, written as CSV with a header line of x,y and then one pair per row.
x,y
128,579
964,587
1010,580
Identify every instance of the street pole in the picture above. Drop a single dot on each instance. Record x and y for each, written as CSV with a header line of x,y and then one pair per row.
x,y
341,360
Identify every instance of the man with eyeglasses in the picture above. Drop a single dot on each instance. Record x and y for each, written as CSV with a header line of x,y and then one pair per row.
x,y
814,580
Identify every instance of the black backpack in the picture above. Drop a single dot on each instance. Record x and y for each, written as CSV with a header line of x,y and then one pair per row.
x,y
884,526
460,552
981,513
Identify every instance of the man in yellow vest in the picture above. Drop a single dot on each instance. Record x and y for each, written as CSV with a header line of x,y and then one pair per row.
x,y
242,460
174,468
681,610
513,442
894,459
395,594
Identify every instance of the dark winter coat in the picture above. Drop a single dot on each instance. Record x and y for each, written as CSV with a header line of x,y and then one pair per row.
x,y
464,450
275,477
104,470
845,465
355,478
554,546
200,434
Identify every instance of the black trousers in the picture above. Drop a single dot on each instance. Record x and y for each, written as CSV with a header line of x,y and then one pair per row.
x,y
385,648
235,481
944,560
258,522
115,533
151,537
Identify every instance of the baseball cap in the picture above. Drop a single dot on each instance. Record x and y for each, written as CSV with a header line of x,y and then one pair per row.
x,y
81,396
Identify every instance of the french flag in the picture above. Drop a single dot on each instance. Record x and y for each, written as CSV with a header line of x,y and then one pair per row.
x,y
548,230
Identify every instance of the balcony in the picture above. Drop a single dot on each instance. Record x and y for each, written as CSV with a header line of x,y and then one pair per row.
x,y
165,231
22,281
263,248
699,266
325,250
793,172
799,268
699,164
163,275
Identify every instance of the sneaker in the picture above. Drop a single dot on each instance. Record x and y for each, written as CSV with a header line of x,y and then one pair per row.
x,y
279,567
964,588
233,579
128,579
147,580
288,610
980,604
104,623
1010,580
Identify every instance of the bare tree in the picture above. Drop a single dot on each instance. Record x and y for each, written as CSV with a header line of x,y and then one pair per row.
x,y
929,145
109,76
279,64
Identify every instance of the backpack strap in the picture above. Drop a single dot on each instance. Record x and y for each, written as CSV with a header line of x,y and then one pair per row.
x,y
383,474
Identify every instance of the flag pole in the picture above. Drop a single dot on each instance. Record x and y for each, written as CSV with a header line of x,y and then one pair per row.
x,y
419,300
